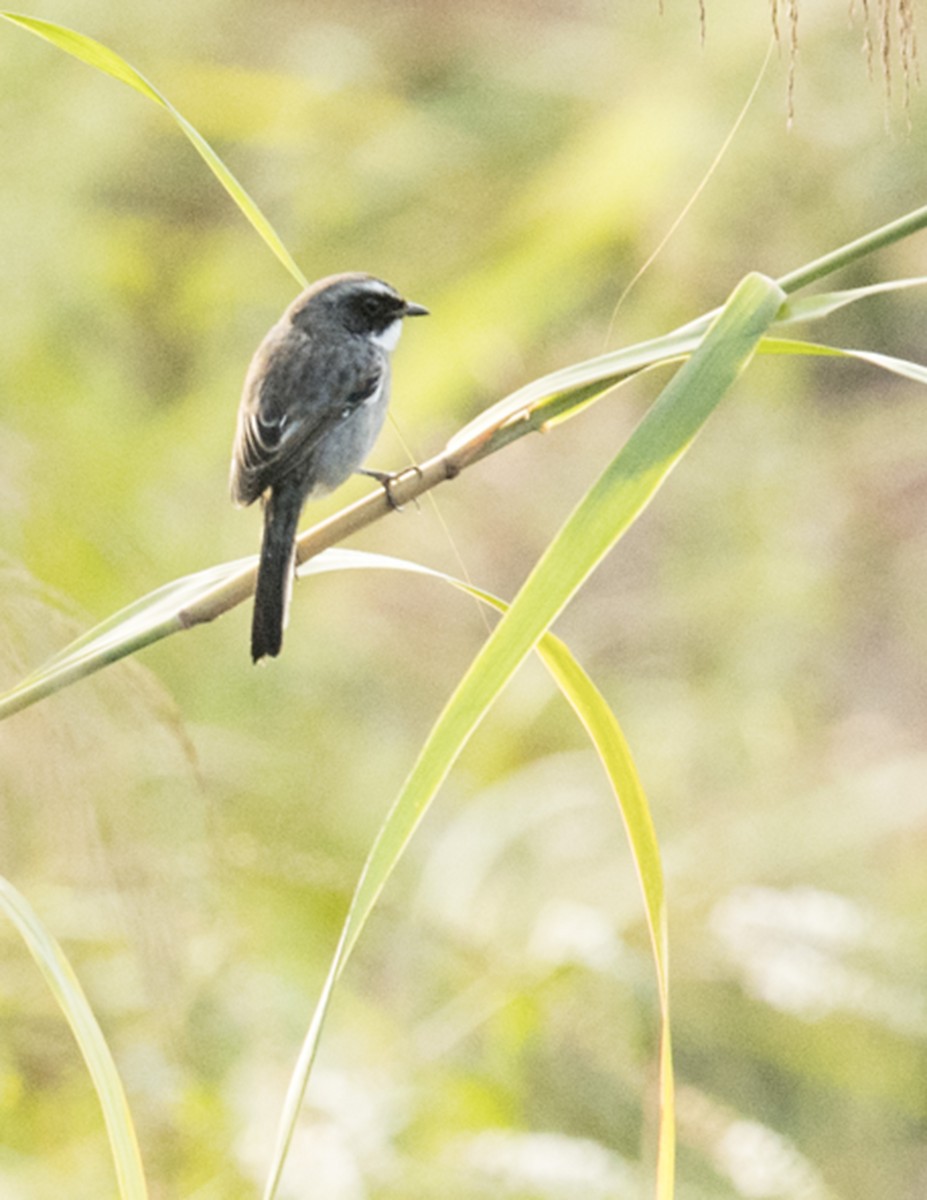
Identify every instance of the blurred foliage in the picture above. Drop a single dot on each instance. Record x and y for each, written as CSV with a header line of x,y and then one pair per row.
x,y
191,828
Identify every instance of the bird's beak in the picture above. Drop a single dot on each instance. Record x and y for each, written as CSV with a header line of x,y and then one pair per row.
x,y
414,310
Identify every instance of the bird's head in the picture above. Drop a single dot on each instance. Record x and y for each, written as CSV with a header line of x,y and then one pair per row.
x,y
361,305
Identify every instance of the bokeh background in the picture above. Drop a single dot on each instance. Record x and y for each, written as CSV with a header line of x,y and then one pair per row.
x,y
191,828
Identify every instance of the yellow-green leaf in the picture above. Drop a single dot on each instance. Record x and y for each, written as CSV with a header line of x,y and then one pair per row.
x,y
96,55
65,987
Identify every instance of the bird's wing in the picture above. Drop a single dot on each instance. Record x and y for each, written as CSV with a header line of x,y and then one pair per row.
x,y
290,402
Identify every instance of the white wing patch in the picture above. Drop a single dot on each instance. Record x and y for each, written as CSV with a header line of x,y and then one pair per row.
x,y
376,395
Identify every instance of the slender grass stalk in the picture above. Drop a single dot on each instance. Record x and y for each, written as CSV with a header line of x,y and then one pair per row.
x,y
107,61
65,987
852,252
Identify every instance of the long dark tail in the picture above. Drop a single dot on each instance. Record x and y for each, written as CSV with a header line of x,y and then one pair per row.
x,y
275,574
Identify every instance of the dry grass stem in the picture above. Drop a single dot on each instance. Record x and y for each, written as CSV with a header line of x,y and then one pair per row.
x,y
889,24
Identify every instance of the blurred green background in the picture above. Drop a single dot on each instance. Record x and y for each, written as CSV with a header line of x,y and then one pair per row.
x,y
191,828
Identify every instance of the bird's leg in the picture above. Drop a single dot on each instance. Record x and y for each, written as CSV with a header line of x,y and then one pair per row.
x,y
387,479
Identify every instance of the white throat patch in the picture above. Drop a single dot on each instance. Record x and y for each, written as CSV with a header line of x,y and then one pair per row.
x,y
388,339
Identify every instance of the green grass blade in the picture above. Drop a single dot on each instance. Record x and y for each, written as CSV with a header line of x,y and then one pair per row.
x,y
604,514
565,392
140,624
66,989
886,235
100,57
606,735
813,308
615,755
602,517
886,362
860,248
544,400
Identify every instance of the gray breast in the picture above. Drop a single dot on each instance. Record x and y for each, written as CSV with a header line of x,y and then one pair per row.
x,y
350,439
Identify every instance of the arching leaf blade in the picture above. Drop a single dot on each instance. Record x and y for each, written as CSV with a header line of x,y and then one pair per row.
x,y
101,58
67,991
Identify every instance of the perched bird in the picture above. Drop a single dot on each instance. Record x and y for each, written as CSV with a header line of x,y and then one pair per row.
x,y
314,401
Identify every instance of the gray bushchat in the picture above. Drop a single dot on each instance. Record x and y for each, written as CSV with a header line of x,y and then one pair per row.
x,y
314,401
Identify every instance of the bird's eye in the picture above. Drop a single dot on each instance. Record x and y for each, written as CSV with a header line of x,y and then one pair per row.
x,y
371,305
